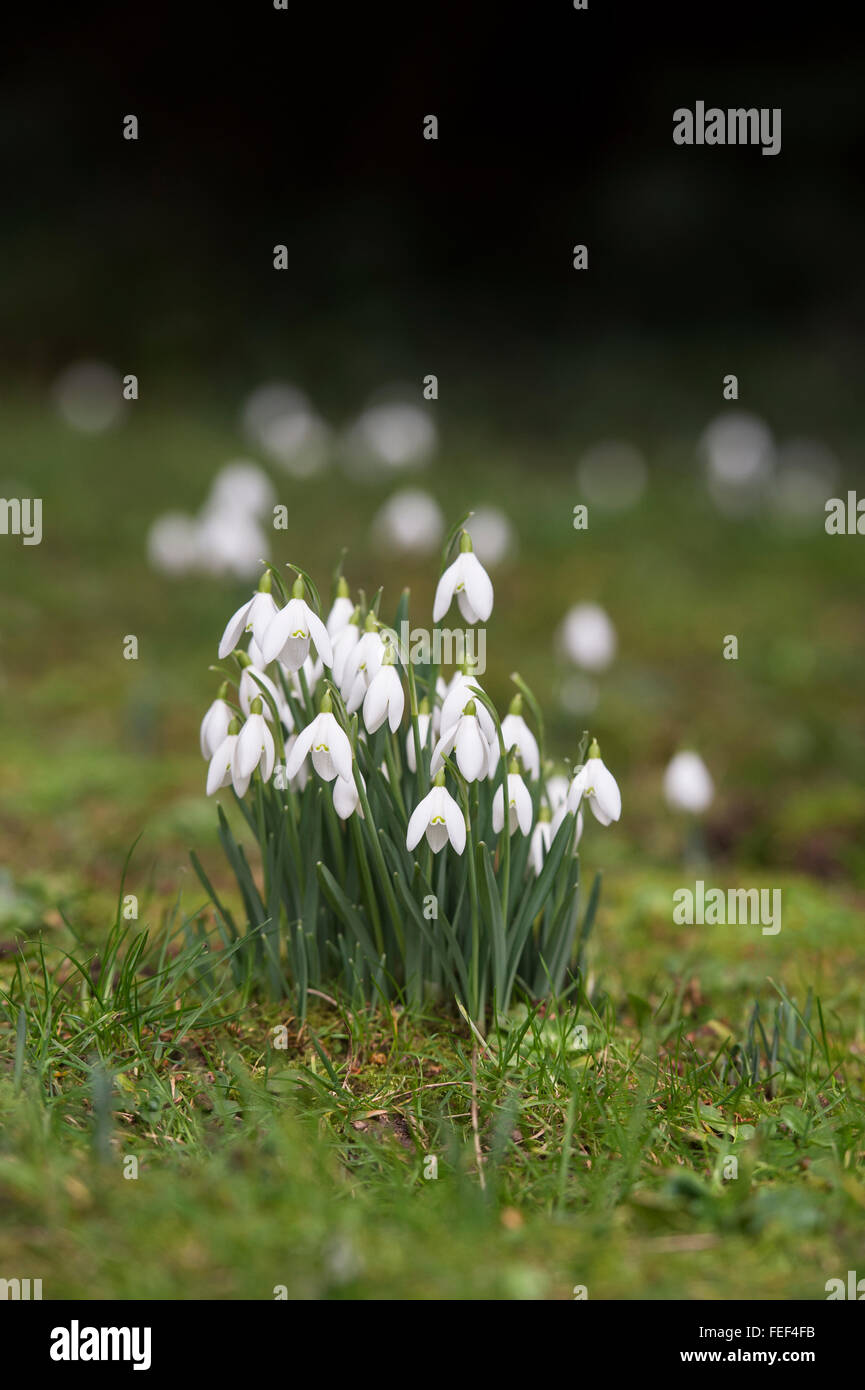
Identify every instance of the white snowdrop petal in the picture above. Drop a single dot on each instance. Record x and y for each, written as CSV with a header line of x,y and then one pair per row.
x,y
445,591
455,822
319,635
300,748
478,587
234,630
418,822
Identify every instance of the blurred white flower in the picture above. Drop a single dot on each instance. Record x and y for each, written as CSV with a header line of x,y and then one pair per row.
x,y
492,535
410,522
557,791
807,475
738,453
519,806
559,816
89,396
214,727
541,840
279,418
424,727
172,544
341,609
242,487
688,785
516,733
390,435
587,637
346,797
231,545
612,474
248,689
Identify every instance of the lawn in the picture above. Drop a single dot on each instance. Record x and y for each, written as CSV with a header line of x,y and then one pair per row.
x,y
688,1123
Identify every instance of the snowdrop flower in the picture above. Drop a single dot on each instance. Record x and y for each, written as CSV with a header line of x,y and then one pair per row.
x,y
253,616
223,768
254,747
248,688
344,644
519,804
517,734
346,797
467,738
688,785
301,777
328,745
468,579
361,666
385,698
600,788
341,610
557,791
587,637
542,838
459,691
442,688
243,487
558,817
214,725
440,818
288,635
424,728
410,521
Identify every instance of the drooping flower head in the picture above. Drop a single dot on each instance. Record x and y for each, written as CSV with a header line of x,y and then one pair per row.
x,y
253,616
468,579
214,725
598,785
466,737
519,803
289,633
328,745
341,610
385,697
438,817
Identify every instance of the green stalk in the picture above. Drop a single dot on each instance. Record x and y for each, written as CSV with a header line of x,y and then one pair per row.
x,y
372,835
369,891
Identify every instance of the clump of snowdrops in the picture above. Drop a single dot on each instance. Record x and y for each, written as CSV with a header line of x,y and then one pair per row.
x,y
411,842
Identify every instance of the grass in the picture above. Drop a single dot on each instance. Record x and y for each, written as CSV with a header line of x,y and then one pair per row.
x,y
558,1165
273,1154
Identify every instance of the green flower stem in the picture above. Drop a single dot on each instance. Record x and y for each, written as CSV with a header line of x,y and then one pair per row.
x,y
307,698
368,890
372,835
474,972
413,711
334,833
394,774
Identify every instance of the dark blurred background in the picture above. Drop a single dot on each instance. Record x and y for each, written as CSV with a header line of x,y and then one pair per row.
x,y
304,127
